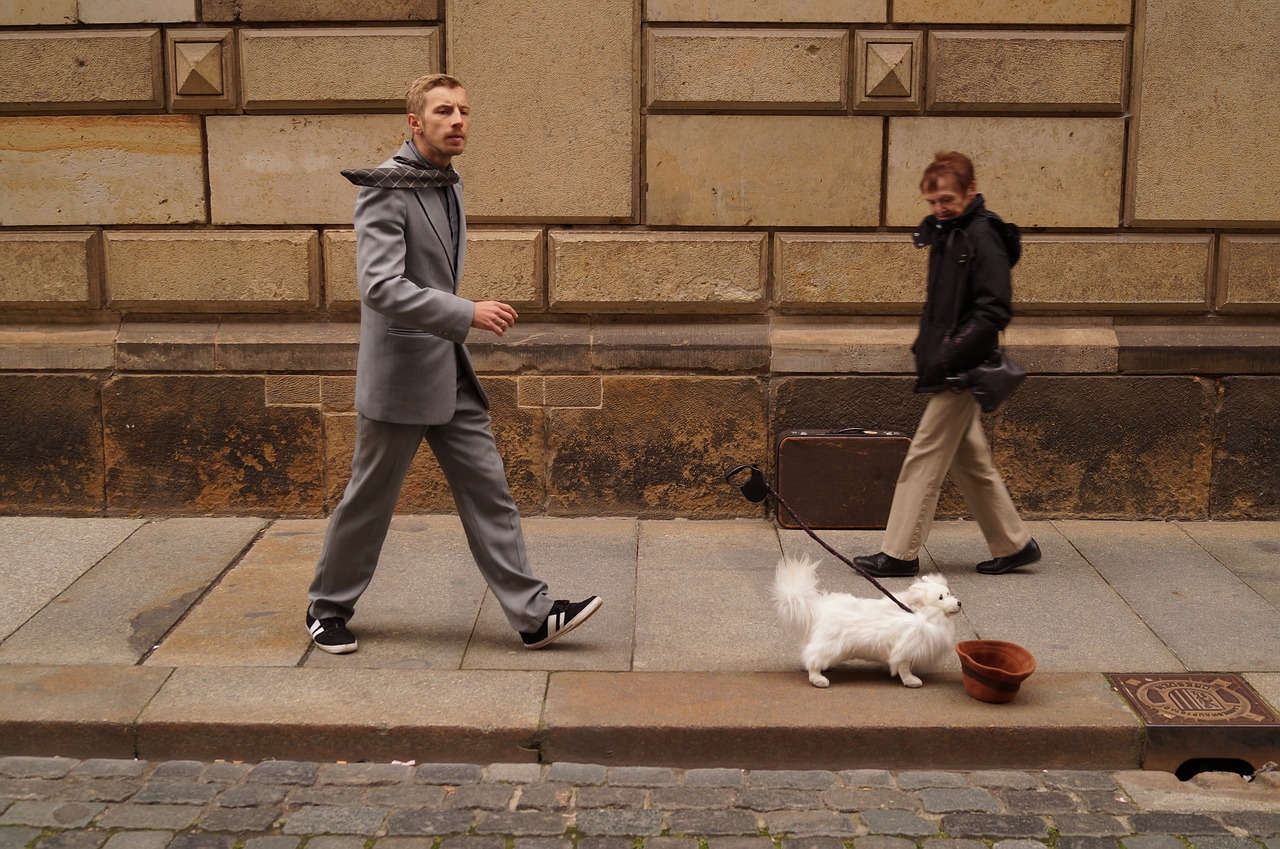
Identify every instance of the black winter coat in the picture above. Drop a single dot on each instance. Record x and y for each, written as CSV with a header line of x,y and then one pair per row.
x,y
969,296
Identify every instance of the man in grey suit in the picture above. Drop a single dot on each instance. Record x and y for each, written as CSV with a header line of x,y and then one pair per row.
x,y
415,381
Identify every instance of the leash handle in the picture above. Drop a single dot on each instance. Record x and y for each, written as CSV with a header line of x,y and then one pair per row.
x,y
756,487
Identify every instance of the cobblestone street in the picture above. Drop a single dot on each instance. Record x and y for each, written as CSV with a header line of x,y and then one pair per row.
x,y
62,803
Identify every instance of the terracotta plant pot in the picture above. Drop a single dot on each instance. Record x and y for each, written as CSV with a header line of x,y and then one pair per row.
x,y
993,670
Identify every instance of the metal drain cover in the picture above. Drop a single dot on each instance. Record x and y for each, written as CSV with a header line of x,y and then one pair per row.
x,y
1192,716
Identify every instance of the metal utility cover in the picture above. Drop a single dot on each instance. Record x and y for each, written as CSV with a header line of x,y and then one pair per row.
x,y
1194,716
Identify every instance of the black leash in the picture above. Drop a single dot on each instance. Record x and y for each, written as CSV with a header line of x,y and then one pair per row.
x,y
755,489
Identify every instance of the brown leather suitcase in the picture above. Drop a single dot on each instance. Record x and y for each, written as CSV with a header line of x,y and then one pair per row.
x,y
839,479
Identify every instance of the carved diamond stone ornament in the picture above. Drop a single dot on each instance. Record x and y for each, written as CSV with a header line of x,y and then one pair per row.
x,y
197,68
888,70
201,68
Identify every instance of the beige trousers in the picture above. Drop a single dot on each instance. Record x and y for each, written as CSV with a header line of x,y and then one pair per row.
x,y
949,440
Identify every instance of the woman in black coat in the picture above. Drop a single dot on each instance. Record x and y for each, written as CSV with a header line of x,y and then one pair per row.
x,y
967,304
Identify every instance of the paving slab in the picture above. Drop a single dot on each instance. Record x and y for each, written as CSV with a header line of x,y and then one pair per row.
x,y
344,714
577,558
1053,608
1249,549
120,608
73,711
1154,790
702,601
41,557
1211,619
1267,685
261,601
777,720
420,608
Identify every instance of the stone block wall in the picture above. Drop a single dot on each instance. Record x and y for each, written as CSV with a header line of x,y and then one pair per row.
x,y
701,209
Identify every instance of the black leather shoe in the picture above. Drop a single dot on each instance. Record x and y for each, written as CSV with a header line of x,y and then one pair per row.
x,y
883,566
1030,554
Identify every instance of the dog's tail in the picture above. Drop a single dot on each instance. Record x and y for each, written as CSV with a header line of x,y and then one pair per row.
x,y
795,589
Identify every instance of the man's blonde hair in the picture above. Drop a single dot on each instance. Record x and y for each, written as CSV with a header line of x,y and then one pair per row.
x,y
416,98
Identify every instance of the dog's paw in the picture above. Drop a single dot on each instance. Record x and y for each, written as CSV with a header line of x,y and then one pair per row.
x,y
910,680
817,679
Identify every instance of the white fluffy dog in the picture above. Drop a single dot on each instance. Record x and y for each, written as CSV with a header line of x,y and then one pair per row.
x,y
835,627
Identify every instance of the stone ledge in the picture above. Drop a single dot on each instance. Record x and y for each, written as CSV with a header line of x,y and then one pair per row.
x,y
1174,349
827,347
785,346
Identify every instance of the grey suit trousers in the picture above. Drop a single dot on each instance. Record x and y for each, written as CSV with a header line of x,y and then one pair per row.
x,y
465,449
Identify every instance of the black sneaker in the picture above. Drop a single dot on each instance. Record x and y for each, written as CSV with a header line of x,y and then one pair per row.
x,y
563,618
330,634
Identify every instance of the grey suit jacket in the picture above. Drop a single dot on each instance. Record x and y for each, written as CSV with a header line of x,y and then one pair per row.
x,y
412,322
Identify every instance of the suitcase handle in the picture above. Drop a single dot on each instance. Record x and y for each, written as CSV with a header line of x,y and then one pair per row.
x,y
866,432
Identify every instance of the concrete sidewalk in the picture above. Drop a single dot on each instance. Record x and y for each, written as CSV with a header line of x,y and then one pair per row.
x,y
183,638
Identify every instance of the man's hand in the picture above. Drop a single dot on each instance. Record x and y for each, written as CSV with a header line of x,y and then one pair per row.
x,y
493,316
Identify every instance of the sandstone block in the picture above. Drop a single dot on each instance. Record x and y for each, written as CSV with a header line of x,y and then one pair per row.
x,y
1244,450
569,391
735,348
1108,446
1031,71
167,347
533,347
334,68
288,347
170,450
657,446
231,270
634,271
250,182
1048,12
1050,346
341,287
48,267
115,70
1037,172
748,68
54,347
1235,349
1125,273
136,11
523,161
826,347
887,70
203,70
862,273
768,11
338,393
713,170
318,10
504,265
501,265
50,444
101,170
1249,274
293,390
1203,115
38,12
